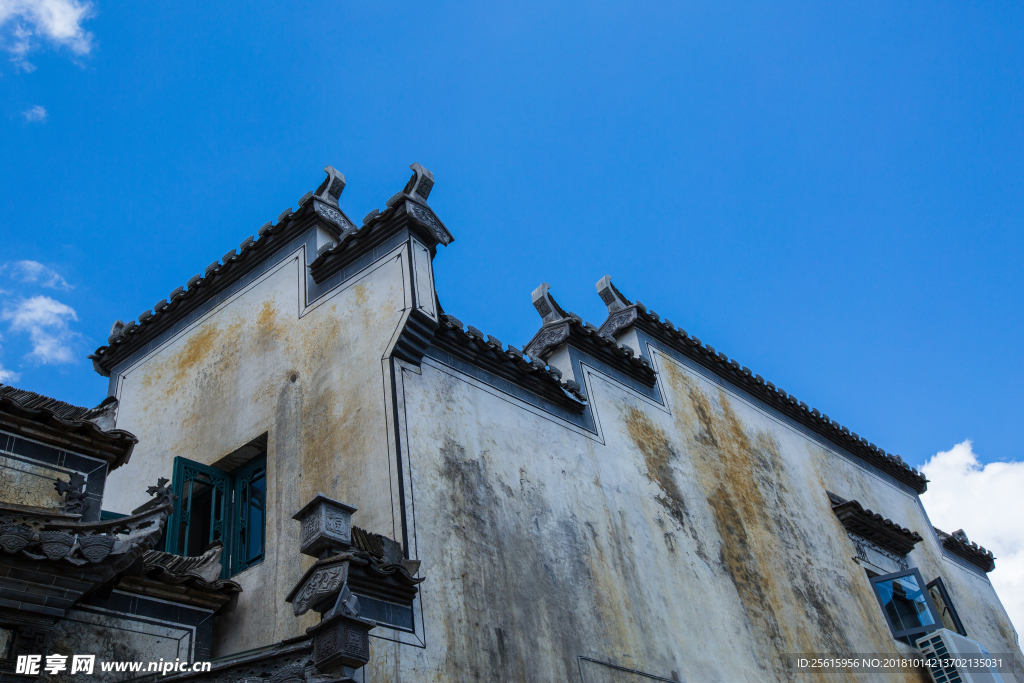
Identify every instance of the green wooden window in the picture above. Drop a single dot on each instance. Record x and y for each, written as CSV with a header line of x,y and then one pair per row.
x,y
250,496
216,505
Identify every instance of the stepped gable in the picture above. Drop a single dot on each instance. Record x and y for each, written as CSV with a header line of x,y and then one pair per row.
x,y
561,327
316,208
958,544
622,315
85,430
407,208
856,519
509,363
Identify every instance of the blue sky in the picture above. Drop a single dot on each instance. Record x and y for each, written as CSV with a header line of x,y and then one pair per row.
x,y
831,194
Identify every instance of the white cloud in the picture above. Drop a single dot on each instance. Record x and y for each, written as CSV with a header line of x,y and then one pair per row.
x,y
33,271
36,114
987,502
46,322
7,376
24,24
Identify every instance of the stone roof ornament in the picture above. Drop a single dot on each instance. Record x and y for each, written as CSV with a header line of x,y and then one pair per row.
x,y
546,305
331,188
420,184
611,297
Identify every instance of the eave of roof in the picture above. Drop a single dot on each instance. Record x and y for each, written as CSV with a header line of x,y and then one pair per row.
x,y
487,352
402,210
65,425
584,336
126,338
972,552
874,527
720,364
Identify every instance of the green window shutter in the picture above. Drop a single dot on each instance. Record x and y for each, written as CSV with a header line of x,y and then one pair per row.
x,y
248,538
201,513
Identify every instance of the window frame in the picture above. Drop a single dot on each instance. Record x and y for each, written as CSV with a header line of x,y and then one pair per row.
x,y
233,516
240,520
941,585
917,631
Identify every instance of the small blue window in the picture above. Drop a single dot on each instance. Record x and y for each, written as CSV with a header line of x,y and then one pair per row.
x,y
905,602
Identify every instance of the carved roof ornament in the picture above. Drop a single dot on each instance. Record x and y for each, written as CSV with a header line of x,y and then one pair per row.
x,y
546,305
959,545
561,326
611,297
331,188
420,184
73,494
325,203
865,523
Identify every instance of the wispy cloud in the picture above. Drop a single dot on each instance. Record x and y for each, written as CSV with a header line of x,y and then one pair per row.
x,y
7,376
27,24
986,502
36,114
46,322
37,273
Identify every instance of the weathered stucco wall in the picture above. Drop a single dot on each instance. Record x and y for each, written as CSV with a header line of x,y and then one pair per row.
x,y
229,379
692,541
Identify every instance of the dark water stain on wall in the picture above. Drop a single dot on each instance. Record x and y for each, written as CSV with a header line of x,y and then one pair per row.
x,y
658,457
523,577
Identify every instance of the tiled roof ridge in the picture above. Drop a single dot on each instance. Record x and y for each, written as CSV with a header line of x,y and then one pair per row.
x,y
970,551
123,333
741,375
601,339
866,513
559,326
322,203
416,208
35,401
114,444
474,339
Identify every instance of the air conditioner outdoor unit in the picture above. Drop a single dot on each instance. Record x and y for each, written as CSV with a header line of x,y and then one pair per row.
x,y
948,645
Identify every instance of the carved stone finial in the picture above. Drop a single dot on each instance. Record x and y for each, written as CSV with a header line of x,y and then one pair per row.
x,y
420,184
331,188
74,497
162,492
611,297
546,305
326,526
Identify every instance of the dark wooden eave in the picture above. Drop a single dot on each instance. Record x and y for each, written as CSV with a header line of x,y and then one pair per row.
x,y
872,526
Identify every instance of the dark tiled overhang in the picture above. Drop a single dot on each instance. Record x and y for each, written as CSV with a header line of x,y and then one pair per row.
x,y
958,544
65,426
508,363
49,561
873,526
